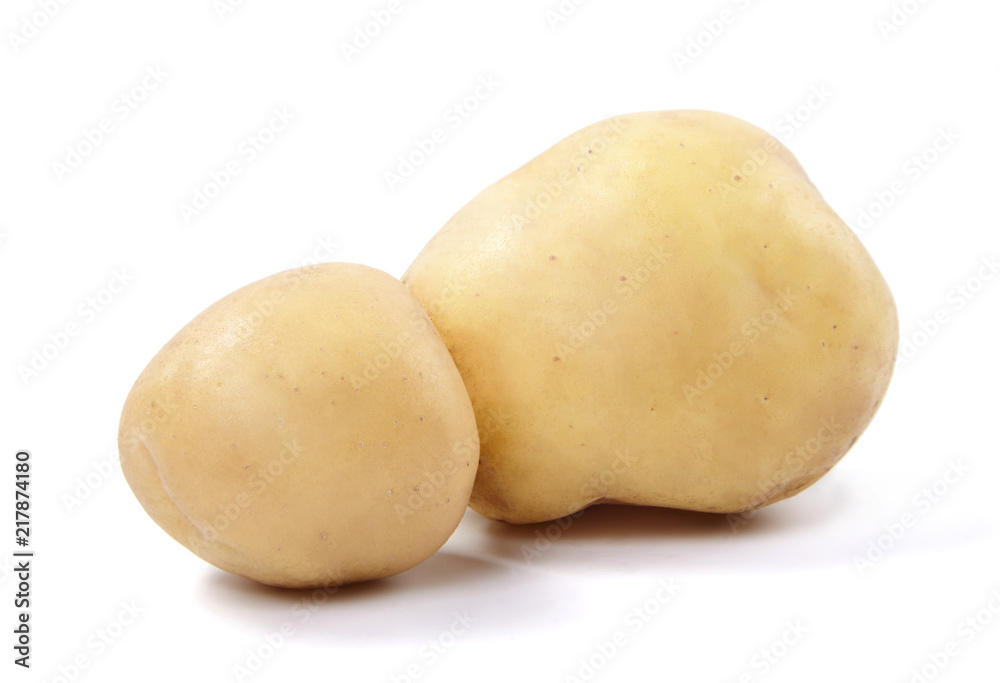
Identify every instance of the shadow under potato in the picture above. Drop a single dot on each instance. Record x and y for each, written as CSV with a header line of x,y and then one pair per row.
x,y
656,537
505,542
654,533
411,607
443,571
616,521
498,573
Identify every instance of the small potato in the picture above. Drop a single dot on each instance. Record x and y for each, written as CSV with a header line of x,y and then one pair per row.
x,y
309,429
669,314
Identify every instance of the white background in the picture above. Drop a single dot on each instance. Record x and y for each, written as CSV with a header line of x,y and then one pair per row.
x,y
322,179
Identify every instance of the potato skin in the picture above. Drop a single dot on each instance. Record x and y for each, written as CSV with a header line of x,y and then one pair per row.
x,y
669,313
309,429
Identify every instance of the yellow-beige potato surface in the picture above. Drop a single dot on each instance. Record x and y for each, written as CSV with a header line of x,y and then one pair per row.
x,y
667,312
309,429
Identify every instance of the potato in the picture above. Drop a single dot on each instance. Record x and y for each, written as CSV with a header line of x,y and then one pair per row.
x,y
309,429
668,313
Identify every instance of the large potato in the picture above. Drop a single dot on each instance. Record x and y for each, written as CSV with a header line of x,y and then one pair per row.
x,y
308,429
668,313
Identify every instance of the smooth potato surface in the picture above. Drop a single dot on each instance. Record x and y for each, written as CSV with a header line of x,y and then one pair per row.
x,y
669,313
308,429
